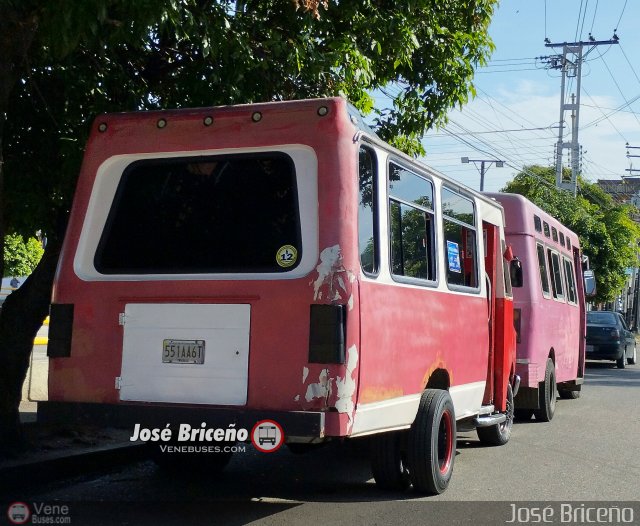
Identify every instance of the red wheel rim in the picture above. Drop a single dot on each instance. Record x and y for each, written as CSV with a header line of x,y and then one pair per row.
x,y
445,442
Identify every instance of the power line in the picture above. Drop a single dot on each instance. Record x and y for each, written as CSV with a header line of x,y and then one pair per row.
x,y
616,83
623,8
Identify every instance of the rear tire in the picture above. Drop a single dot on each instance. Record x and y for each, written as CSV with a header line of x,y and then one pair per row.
x,y
547,394
632,360
622,361
388,461
499,434
565,394
432,443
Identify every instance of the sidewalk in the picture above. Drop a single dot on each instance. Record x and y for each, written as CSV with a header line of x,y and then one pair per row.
x,y
52,452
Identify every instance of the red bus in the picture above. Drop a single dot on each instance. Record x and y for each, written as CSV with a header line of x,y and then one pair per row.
x,y
549,308
227,265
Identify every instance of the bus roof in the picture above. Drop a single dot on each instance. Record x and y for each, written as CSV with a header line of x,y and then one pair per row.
x,y
521,216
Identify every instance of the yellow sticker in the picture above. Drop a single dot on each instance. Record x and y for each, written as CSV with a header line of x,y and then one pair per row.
x,y
287,256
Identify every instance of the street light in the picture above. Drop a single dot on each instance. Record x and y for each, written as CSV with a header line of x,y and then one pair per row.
x,y
499,164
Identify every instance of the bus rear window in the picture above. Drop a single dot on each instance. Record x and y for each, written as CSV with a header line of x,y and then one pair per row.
x,y
219,214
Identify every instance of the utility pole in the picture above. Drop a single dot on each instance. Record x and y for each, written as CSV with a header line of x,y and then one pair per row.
x,y
483,167
570,64
631,169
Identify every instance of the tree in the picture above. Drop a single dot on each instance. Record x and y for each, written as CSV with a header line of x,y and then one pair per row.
x,y
607,233
20,256
61,63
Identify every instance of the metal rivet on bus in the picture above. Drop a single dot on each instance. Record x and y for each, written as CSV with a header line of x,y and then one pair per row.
x,y
162,123
256,117
322,111
102,127
208,120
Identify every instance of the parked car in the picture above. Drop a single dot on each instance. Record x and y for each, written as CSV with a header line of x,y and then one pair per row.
x,y
608,338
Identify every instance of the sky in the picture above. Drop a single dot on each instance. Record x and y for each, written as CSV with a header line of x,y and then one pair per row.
x,y
516,92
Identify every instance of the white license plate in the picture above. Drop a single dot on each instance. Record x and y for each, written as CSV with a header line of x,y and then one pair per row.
x,y
589,348
182,351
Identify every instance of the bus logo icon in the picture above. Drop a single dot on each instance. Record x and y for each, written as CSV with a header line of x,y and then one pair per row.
x,y
18,513
267,436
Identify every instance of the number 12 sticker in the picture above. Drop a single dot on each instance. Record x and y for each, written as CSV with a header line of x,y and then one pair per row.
x,y
287,256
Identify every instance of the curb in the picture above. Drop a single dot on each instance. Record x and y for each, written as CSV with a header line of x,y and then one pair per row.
x,y
16,475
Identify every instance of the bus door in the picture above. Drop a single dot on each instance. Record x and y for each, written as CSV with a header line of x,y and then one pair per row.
x,y
582,305
490,240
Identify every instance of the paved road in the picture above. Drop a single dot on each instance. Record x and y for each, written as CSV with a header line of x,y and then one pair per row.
x,y
589,452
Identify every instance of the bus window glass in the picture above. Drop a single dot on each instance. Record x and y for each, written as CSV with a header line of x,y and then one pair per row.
x,y
568,243
410,187
216,214
556,274
554,234
547,231
460,239
544,278
537,223
571,281
408,241
411,224
367,211
458,207
561,238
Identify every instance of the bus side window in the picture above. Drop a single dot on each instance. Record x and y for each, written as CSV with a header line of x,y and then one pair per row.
x,y
411,224
460,237
571,280
544,276
368,210
556,274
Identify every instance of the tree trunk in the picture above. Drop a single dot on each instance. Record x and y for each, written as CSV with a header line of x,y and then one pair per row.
x,y
25,309
22,315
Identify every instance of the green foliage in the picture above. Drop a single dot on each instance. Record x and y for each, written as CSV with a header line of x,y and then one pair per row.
x,y
20,257
608,235
100,56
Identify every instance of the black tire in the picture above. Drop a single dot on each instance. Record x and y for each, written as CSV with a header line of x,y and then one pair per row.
x,y
568,395
547,394
388,461
622,361
499,434
632,360
432,443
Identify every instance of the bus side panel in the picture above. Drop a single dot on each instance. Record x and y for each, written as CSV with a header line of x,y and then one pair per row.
x,y
548,327
408,332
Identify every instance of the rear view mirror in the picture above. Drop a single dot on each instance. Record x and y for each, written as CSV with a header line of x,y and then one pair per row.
x,y
589,284
515,271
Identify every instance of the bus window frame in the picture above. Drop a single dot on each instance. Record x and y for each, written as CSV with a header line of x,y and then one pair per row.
x,y
561,298
435,259
549,294
375,190
476,228
565,260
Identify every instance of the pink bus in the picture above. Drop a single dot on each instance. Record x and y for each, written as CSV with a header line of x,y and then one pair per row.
x,y
549,309
278,264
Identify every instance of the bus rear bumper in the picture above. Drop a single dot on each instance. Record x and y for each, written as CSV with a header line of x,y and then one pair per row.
x,y
298,426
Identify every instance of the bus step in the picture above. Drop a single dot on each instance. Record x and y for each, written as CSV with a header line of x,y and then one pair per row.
x,y
490,420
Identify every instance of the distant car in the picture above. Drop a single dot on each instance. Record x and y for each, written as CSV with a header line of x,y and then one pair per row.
x,y
9,285
608,338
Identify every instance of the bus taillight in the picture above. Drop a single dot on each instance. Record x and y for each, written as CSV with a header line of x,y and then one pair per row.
x,y
327,334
